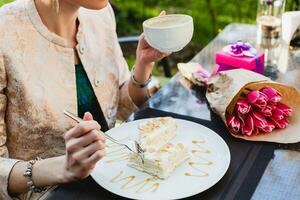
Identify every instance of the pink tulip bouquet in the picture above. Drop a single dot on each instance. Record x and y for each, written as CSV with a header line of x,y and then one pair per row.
x,y
259,112
255,108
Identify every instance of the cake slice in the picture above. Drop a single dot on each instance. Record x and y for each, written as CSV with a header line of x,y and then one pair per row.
x,y
157,132
160,163
161,156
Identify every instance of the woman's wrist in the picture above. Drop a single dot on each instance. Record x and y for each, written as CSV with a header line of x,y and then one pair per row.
x,y
52,170
28,174
142,71
45,173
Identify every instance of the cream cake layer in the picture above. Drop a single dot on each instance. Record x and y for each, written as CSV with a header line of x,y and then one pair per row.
x,y
157,132
162,162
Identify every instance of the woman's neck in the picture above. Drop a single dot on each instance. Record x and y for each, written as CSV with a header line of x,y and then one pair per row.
x,y
63,23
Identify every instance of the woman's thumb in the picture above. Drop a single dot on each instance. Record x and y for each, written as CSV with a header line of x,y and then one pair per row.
x,y
87,116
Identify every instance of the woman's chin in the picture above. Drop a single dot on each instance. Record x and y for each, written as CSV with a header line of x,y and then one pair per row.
x,y
95,4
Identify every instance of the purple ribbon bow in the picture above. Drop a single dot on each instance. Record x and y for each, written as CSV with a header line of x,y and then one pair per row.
x,y
240,48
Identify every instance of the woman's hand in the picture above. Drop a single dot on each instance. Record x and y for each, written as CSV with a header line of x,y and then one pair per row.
x,y
147,55
85,146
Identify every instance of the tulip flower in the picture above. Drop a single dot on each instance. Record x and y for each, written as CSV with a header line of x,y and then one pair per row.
x,y
273,95
247,126
233,124
280,123
259,120
277,114
287,111
242,107
267,111
257,98
272,106
255,131
269,128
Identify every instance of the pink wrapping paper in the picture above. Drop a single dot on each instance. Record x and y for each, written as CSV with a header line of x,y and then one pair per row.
x,y
227,61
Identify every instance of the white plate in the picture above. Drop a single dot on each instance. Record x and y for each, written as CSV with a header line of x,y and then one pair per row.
x,y
210,160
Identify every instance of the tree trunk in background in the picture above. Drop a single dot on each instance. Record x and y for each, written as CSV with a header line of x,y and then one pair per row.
x,y
238,10
294,5
297,4
213,15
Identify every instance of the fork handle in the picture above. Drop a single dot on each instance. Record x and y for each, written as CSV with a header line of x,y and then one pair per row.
x,y
111,139
72,116
78,119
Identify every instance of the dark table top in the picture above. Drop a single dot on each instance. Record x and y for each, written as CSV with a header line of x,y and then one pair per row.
x,y
180,97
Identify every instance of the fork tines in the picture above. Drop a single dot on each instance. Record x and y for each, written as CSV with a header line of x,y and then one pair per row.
x,y
140,150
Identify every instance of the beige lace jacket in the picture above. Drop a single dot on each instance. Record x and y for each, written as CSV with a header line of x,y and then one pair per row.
x,y
37,81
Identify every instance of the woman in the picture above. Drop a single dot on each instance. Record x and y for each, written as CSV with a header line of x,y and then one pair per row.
x,y
56,55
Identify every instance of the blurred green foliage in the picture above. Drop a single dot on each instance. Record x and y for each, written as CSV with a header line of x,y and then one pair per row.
x,y
2,2
210,16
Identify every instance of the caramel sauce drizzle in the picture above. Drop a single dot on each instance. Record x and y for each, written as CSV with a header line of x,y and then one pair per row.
x,y
198,141
118,179
141,186
196,152
201,148
204,160
197,175
155,187
194,166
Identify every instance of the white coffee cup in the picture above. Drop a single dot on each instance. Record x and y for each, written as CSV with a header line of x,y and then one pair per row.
x,y
169,33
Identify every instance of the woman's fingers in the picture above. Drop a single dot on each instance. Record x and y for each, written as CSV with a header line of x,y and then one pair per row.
x,y
93,159
81,128
91,137
87,151
75,144
160,55
85,145
143,44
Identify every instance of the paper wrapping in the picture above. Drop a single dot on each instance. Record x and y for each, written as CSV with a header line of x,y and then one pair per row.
x,y
225,88
189,71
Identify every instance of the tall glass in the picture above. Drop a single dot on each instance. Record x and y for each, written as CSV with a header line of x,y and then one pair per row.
x,y
268,19
269,13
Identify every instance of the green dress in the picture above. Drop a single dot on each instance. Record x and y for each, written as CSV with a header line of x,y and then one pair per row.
x,y
86,98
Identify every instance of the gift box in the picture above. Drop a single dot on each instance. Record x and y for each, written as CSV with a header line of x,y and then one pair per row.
x,y
240,55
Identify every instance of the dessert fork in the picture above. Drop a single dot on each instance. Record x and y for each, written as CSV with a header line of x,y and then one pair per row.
x,y
139,149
